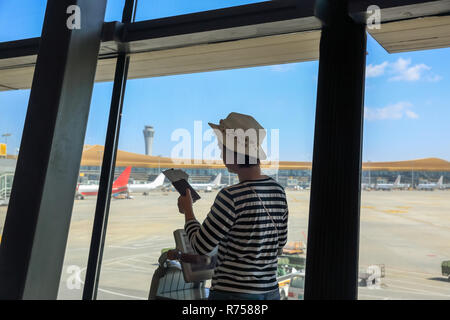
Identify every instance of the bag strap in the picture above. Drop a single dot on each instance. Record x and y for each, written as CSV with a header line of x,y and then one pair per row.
x,y
267,211
280,250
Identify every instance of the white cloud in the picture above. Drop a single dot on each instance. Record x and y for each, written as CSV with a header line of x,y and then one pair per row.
x,y
411,114
433,78
376,70
402,70
282,67
395,111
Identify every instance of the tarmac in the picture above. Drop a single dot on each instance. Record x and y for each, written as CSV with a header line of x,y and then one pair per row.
x,y
406,231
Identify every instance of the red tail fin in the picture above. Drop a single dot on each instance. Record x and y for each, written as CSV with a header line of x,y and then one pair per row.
x,y
122,180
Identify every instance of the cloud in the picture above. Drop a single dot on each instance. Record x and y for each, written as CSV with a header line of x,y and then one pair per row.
x,y
395,111
433,78
402,70
282,67
411,114
376,70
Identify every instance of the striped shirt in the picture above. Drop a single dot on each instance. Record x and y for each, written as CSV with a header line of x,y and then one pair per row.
x,y
246,236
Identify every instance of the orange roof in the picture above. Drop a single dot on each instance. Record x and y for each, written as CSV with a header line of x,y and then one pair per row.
x,y
92,156
427,164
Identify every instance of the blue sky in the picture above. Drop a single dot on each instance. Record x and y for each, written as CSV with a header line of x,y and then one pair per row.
x,y
406,102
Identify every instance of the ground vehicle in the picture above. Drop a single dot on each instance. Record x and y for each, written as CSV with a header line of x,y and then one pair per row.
x,y
288,265
296,286
371,276
446,269
294,247
283,284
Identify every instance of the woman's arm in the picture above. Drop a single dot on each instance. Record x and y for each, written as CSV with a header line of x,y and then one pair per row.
x,y
185,206
205,237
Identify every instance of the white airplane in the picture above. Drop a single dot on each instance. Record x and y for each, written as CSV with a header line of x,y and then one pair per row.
x,y
146,187
391,186
431,186
208,186
367,186
119,186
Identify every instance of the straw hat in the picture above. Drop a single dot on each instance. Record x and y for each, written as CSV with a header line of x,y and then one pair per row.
x,y
244,132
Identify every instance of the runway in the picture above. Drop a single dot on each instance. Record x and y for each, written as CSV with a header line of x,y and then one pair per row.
x,y
407,231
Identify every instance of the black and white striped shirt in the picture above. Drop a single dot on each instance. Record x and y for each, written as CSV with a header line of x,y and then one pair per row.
x,y
246,237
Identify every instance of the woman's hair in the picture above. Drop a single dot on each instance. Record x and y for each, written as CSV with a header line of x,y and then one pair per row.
x,y
248,162
243,161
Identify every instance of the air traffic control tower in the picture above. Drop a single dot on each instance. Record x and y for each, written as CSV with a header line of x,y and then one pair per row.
x,y
148,138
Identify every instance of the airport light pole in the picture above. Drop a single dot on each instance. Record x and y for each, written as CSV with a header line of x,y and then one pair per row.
x,y
99,152
159,166
6,135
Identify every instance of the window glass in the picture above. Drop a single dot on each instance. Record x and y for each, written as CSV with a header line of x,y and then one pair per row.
x,y
298,282
85,199
174,112
405,203
13,109
26,24
147,10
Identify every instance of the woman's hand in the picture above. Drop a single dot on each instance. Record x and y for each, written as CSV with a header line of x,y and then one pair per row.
x,y
185,203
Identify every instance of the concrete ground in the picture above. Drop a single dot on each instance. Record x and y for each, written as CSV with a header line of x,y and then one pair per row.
x,y
407,231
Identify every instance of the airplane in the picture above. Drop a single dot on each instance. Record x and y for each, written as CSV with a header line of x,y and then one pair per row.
x,y
208,186
119,186
391,186
431,186
367,186
146,187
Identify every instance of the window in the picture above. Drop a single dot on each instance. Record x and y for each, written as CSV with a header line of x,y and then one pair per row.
x,y
406,175
142,220
148,10
85,199
13,108
298,282
26,24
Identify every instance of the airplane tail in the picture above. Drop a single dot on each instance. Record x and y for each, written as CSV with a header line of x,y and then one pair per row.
x,y
122,180
397,181
440,181
159,180
217,180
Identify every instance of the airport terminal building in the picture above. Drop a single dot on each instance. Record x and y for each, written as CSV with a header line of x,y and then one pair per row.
x,y
287,173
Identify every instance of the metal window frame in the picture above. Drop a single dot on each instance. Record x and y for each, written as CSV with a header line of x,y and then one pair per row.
x,y
93,270
38,218
333,226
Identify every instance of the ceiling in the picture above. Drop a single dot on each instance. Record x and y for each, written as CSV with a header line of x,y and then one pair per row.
x,y
259,34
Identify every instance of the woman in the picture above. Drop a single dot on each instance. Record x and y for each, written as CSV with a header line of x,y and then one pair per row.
x,y
248,220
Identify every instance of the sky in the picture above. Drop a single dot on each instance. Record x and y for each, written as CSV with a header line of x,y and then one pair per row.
x,y
407,108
